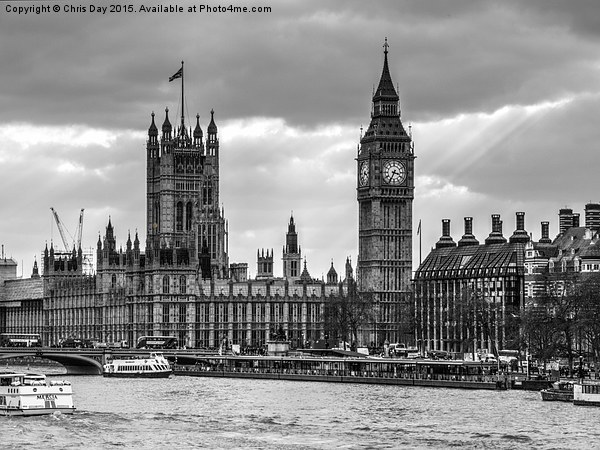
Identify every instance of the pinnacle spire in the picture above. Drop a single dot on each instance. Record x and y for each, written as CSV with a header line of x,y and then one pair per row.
x,y
167,127
212,126
386,86
152,131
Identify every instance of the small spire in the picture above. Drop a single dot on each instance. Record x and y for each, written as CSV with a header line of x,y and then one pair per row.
x,y
198,129
212,127
166,127
386,86
152,131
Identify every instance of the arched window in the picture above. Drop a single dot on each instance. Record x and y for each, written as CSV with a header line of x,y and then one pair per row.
x,y
207,193
165,284
113,281
156,221
182,284
179,217
189,216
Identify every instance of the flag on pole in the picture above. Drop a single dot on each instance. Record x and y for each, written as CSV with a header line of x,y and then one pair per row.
x,y
419,228
177,74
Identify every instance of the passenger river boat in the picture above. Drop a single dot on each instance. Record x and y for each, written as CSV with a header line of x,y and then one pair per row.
x,y
33,395
155,366
369,370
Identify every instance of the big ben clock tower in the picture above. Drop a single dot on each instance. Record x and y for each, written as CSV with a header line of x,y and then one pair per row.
x,y
385,192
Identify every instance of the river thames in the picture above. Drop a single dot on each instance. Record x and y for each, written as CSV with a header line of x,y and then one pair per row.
x,y
187,412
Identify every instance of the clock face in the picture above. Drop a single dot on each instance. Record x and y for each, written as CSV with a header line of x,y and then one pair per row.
x,y
394,172
363,176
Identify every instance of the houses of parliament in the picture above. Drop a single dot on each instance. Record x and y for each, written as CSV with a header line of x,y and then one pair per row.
x,y
181,283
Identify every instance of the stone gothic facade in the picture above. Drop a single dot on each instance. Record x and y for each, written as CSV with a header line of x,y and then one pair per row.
x,y
181,283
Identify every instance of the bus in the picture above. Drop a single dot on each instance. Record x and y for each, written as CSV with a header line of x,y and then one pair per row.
x,y
20,340
157,342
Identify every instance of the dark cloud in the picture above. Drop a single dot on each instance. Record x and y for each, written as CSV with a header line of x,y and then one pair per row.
x,y
310,62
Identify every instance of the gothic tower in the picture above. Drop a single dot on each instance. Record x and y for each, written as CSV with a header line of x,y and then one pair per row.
x,y
212,227
385,194
183,213
292,253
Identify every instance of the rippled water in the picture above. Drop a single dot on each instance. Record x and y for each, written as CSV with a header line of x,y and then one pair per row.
x,y
187,412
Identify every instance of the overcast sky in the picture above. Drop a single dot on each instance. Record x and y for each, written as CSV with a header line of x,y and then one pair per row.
x,y
503,98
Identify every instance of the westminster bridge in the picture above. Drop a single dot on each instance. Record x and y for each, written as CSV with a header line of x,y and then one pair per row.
x,y
89,361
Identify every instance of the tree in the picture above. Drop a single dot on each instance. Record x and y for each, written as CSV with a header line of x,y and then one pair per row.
x,y
346,315
589,320
477,317
552,323
540,332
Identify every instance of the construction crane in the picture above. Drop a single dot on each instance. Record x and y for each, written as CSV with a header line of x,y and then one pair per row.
x,y
75,242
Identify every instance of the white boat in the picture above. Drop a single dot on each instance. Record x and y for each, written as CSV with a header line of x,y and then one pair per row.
x,y
586,394
156,366
32,395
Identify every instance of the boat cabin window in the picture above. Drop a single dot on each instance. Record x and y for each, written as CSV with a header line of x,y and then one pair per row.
x,y
591,389
8,381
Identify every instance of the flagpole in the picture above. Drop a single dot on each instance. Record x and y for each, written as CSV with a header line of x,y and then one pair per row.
x,y
182,96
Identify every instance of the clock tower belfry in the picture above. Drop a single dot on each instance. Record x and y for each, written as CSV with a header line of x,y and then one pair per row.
x,y
385,192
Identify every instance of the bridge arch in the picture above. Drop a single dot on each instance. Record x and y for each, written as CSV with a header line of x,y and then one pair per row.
x,y
74,363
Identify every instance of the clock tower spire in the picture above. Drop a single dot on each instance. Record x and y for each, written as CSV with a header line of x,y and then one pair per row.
x,y
385,192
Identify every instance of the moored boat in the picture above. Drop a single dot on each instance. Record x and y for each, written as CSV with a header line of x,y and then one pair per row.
x,y
156,366
586,393
350,367
33,395
559,392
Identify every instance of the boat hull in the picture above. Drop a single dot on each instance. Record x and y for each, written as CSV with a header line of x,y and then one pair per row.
x,y
35,412
586,403
550,395
138,375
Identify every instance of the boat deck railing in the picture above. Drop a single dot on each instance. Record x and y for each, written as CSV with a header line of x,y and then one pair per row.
x,y
481,378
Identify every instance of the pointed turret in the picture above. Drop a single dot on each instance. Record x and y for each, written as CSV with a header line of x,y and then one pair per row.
x,y
212,126
198,131
291,237
35,273
166,126
349,269
385,90
109,230
332,276
305,276
152,131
